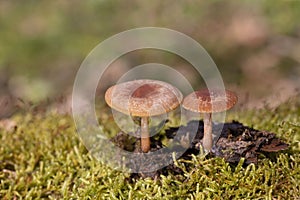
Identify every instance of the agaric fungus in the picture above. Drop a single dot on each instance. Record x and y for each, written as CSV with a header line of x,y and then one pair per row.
x,y
143,98
208,102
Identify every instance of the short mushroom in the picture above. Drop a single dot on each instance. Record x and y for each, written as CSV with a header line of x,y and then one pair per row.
x,y
143,98
207,102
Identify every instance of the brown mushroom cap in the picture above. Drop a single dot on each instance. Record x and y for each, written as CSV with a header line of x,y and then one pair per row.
x,y
143,97
205,101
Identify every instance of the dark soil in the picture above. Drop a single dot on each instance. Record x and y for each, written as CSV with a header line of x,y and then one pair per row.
x,y
235,142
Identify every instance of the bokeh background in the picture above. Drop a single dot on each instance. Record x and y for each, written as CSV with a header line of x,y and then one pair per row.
x,y
255,44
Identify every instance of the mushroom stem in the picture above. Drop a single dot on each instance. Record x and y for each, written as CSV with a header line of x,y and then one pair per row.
x,y
207,138
145,140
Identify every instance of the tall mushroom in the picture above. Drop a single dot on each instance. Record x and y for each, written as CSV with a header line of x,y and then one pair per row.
x,y
143,98
208,102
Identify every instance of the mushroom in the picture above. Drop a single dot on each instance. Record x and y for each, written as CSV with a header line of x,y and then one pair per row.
x,y
143,98
208,102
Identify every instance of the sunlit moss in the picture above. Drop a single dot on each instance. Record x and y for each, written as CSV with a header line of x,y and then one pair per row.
x,y
44,158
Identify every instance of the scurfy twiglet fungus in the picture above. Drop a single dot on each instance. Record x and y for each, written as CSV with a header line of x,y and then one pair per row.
x,y
143,98
207,102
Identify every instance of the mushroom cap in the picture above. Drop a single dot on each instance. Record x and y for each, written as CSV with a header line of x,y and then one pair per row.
x,y
205,101
143,97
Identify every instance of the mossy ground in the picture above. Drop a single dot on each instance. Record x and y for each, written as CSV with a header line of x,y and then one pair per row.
x,y
44,158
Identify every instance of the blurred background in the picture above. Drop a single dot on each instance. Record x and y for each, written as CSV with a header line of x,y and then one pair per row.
x,y
255,44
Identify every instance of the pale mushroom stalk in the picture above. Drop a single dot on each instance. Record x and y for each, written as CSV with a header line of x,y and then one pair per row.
x,y
145,139
143,98
207,138
208,102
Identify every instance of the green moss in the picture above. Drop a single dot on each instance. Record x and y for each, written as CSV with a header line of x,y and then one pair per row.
x,y
44,158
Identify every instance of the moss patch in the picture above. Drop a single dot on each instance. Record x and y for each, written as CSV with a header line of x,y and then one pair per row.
x,y
44,158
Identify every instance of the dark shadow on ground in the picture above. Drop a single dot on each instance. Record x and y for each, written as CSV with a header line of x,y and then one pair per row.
x,y
235,142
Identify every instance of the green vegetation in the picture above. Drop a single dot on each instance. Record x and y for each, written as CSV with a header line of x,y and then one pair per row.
x,y
44,42
44,158
255,45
